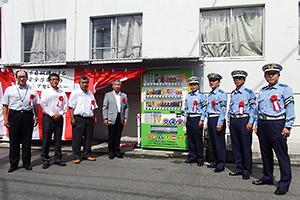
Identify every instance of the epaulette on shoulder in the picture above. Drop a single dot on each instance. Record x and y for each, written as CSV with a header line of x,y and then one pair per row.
x,y
221,91
283,85
264,88
248,90
200,92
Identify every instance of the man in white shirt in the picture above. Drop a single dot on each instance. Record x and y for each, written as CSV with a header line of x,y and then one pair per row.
x,y
21,100
115,114
82,105
54,103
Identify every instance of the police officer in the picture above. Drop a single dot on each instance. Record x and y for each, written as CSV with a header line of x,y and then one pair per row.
x,y
194,116
275,120
216,112
241,115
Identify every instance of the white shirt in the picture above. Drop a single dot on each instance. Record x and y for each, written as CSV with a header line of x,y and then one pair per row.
x,y
118,100
81,102
54,101
17,98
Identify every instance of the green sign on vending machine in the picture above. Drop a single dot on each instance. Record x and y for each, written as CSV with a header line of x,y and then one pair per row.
x,y
163,95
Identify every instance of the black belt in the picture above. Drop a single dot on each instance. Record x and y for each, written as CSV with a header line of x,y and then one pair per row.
x,y
21,111
82,116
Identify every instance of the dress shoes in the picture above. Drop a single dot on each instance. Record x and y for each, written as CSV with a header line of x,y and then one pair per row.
x,y
245,176
217,170
200,164
235,173
46,165
77,161
280,191
90,159
12,169
60,163
28,167
260,182
189,161
211,166
111,157
119,155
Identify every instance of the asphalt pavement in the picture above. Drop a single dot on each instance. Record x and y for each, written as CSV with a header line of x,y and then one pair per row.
x,y
137,176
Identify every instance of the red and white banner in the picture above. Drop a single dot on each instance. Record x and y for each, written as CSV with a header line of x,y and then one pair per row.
x,y
101,79
38,78
7,79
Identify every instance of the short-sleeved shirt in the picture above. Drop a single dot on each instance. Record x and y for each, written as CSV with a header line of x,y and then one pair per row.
x,y
17,98
83,103
54,101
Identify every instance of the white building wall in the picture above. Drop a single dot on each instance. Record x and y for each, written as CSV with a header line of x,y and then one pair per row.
x,y
170,29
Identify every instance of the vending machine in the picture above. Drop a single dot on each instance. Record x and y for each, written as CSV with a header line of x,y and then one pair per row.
x,y
162,107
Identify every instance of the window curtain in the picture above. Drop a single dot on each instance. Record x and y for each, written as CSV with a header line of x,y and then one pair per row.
x,y
36,50
247,34
56,41
215,33
129,36
243,36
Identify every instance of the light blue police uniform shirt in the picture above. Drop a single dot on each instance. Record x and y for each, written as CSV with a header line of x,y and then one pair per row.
x,y
285,99
221,104
248,97
201,104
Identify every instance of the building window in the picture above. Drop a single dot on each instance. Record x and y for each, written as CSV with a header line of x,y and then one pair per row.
x,y
117,37
235,32
45,41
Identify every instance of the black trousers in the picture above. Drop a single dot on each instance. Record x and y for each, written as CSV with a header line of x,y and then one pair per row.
x,y
217,142
114,136
51,126
82,133
269,136
241,141
194,138
20,131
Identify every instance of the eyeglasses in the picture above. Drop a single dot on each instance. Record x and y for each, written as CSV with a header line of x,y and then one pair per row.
x,y
22,77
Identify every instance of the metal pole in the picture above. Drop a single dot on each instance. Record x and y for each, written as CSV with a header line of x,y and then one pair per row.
x,y
138,121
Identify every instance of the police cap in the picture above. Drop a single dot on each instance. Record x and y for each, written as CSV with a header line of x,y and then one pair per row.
x,y
271,67
239,73
214,76
194,80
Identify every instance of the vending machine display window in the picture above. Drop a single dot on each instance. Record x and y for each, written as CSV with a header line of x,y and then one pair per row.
x,y
163,94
